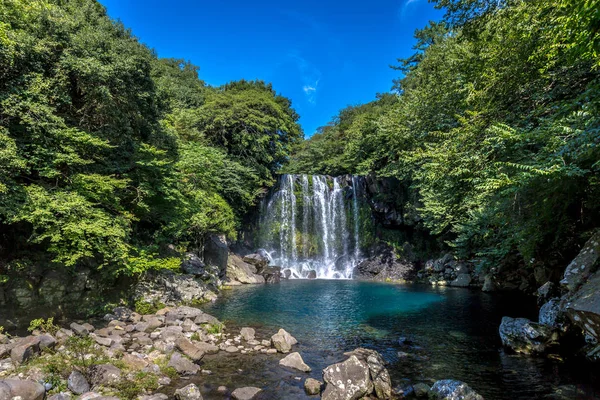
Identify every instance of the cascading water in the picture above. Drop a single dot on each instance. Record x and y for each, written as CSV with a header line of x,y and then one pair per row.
x,y
310,226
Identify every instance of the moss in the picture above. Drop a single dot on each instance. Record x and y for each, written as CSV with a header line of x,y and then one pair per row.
x,y
143,307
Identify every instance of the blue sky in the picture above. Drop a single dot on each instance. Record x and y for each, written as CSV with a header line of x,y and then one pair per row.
x,y
324,55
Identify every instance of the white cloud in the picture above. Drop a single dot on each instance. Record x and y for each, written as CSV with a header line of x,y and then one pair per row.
x,y
310,75
404,9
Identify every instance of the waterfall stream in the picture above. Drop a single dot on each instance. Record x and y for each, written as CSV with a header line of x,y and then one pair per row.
x,y
310,226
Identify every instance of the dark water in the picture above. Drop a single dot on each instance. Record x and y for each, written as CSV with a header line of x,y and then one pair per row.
x,y
454,334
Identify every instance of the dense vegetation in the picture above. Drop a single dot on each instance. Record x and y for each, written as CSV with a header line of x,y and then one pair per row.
x,y
494,123
108,154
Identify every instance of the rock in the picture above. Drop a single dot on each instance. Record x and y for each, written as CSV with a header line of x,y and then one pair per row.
x,y
157,396
134,362
245,393
25,349
170,288
238,270
462,280
526,337
287,274
294,360
23,389
104,341
231,349
421,390
380,376
583,307
578,271
488,284
258,260
348,380
312,386
216,252
104,374
46,342
545,292
551,314
207,348
271,274
312,274
61,396
190,392
77,383
247,334
123,314
182,365
449,389
189,349
385,266
78,329
189,326
283,341
192,264
90,395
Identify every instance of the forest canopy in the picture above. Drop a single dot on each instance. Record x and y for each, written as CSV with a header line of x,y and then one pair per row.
x,y
108,153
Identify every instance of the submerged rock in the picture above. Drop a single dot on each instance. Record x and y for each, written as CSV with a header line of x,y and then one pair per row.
x,y
421,390
245,393
449,389
294,360
348,380
526,337
312,386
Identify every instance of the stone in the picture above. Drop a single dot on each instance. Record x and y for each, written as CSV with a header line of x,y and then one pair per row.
x,y
23,389
271,274
222,389
545,292
266,342
157,396
169,288
104,374
171,333
103,341
312,274
182,365
123,313
312,387
247,334
216,252
283,341
189,349
380,376
231,349
134,362
78,329
245,393
583,307
25,349
258,260
449,389
294,360
348,380
240,271
551,314
526,337
488,284
421,390
77,383
189,392
462,280
386,266
586,262
192,264
90,395
61,396
189,326
207,348
46,342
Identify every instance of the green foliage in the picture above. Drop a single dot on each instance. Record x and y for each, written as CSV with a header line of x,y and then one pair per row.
x,y
141,382
108,154
214,328
45,326
146,308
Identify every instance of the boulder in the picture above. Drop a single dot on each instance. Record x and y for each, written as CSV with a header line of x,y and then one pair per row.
x,y
104,374
551,314
134,362
46,342
449,389
488,284
258,260
77,383
348,380
61,396
312,274
189,349
240,271
192,264
462,280
216,252
283,341
189,392
295,361
583,307
385,266
207,348
545,292
245,393
182,365
586,262
247,334
421,390
23,389
312,387
380,376
79,329
271,274
169,288
25,349
526,337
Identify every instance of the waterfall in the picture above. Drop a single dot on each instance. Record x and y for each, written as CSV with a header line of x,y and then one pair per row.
x,y
307,224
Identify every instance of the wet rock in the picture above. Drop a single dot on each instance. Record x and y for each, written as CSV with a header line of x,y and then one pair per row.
x,y
385,266
382,382
231,349
247,334
283,341
258,260
583,307
566,392
182,365
23,389
312,387
245,393
271,274
449,389
77,383
104,374
488,284
545,292
190,392
294,360
462,280
526,337
312,274
348,380
25,349
421,390
189,349
207,348
551,314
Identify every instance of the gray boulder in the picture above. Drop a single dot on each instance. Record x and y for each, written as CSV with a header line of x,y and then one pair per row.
x,y
61,396
294,360
25,349
216,252
190,392
182,365
247,333
551,314
283,341
380,376
77,383
26,390
449,389
258,260
579,270
312,386
170,288
245,393
583,308
104,374
189,349
348,380
240,271
193,265
421,390
546,292
462,280
526,337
